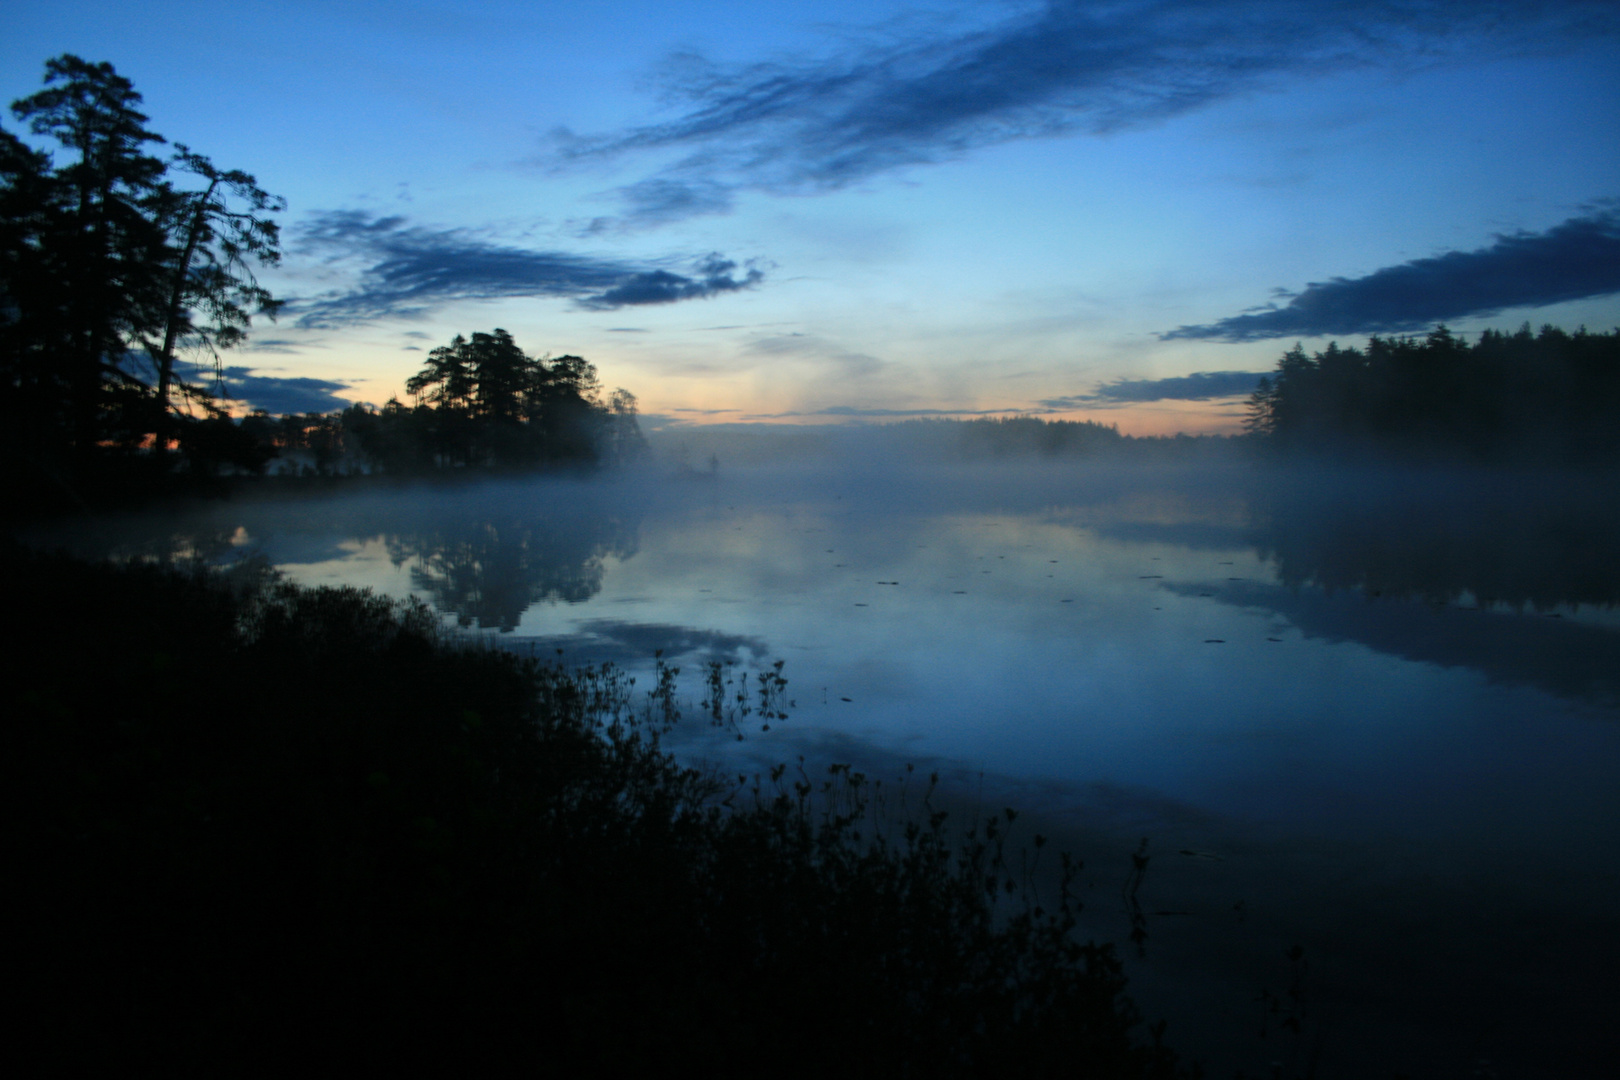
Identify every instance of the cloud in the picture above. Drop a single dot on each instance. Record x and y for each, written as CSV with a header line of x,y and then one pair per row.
x,y
275,345
408,270
658,200
1059,67
1572,261
1199,386
714,276
270,392
812,347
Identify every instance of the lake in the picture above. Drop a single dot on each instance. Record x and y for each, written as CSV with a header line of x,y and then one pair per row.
x,y
1373,714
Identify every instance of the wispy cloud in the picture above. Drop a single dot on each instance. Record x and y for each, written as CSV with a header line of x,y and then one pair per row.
x,y
282,346
1199,386
662,199
799,345
409,270
1062,66
1572,261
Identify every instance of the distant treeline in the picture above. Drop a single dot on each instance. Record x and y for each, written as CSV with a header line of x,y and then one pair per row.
x,y
1013,436
1552,396
929,440
479,403
1031,436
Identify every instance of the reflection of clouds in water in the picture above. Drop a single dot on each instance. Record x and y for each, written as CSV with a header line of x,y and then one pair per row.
x,y
1195,535
306,550
629,643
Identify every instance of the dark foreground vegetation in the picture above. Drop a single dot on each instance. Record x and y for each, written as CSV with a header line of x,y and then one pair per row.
x,y
1548,397
257,826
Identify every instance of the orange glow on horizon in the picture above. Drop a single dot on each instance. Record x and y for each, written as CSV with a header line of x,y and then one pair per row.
x,y
1147,419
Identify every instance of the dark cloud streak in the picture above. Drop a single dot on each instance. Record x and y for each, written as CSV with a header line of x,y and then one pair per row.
x,y
714,276
279,395
410,270
1577,259
271,393
1067,66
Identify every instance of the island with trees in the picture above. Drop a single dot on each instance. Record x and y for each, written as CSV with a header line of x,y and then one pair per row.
x,y
478,404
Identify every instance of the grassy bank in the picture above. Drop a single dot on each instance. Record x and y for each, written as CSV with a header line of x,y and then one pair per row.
x,y
258,825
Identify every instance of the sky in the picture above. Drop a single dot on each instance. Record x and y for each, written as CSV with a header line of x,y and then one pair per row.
x,y
796,212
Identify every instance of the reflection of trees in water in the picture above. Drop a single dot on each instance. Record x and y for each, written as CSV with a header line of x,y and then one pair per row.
x,y
145,540
484,555
489,572
1519,540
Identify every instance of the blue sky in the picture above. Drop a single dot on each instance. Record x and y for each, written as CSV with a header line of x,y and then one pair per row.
x,y
814,212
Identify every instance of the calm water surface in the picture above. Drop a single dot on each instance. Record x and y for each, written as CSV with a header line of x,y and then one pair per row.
x,y
1375,715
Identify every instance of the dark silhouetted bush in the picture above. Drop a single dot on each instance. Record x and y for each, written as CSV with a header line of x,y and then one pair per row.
x,y
256,826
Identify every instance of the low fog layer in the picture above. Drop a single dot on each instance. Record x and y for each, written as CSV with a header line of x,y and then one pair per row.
x,y
1278,668
867,446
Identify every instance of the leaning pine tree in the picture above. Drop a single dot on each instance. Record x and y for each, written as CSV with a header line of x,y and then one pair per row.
x,y
112,262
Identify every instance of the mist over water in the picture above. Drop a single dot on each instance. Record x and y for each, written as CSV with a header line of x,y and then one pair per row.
x,y
1372,712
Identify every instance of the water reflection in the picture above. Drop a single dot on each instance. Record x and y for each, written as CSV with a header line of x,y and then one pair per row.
x,y
625,643
1560,656
1539,541
1355,687
487,573
1436,567
482,555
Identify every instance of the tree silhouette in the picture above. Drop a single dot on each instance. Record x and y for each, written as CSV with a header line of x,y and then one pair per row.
x,y
104,261
211,270
97,228
481,401
1552,396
